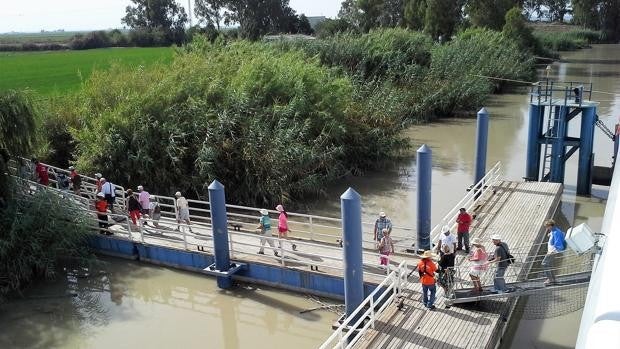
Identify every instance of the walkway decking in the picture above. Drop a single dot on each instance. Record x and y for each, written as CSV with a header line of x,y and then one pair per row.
x,y
517,212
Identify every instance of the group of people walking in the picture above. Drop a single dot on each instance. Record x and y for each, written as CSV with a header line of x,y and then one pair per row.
x,y
264,228
480,259
142,203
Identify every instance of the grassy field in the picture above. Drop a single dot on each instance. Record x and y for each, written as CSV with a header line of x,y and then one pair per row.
x,y
61,71
44,37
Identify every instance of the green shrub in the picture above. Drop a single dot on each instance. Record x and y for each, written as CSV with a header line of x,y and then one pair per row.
x,y
460,71
270,125
35,232
568,41
394,54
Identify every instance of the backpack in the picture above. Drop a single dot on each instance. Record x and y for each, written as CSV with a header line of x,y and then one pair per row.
x,y
511,258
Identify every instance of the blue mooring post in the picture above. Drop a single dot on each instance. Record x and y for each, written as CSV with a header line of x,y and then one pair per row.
x,y
217,201
532,166
482,136
351,211
586,146
424,168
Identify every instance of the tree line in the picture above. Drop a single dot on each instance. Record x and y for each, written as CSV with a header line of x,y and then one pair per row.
x,y
443,18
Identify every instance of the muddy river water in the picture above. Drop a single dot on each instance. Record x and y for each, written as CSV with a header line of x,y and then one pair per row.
x,y
128,305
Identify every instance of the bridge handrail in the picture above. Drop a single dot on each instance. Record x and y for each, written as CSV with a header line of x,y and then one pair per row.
x,y
392,286
314,231
477,191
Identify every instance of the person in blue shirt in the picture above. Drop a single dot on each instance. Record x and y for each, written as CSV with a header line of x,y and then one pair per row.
x,y
556,244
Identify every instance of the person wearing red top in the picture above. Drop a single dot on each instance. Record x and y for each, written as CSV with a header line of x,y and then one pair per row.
x,y
41,171
463,221
102,213
427,268
76,180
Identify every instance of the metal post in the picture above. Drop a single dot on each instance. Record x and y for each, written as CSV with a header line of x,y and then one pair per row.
x,y
351,211
482,136
586,146
424,174
532,165
219,223
558,149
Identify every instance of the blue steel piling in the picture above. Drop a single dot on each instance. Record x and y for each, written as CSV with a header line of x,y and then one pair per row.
x,y
559,134
351,211
424,174
586,146
217,200
532,166
482,136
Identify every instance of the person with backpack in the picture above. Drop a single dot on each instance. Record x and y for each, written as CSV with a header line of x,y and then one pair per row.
x,y
555,245
503,259
63,182
133,206
264,227
427,268
154,211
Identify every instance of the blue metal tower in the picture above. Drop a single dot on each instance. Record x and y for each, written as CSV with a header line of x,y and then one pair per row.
x,y
552,107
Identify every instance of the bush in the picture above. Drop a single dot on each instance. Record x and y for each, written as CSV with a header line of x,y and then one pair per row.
x,y
393,54
459,71
568,41
35,232
270,125
144,37
94,39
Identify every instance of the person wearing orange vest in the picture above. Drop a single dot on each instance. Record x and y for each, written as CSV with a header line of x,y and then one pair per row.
x,y
426,269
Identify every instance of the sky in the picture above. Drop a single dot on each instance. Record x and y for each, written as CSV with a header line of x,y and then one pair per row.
x,y
37,15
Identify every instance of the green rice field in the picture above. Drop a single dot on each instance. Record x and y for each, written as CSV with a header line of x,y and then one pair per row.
x,y
58,72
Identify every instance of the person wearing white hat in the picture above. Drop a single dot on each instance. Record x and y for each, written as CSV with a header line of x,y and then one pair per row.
x,y
502,259
265,230
144,198
446,239
182,211
478,258
109,191
381,223
427,268
283,228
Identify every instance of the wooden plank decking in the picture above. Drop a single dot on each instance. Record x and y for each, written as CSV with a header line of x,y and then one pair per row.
x,y
517,212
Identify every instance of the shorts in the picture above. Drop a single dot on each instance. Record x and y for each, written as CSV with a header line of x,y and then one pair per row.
x,y
184,214
282,231
476,272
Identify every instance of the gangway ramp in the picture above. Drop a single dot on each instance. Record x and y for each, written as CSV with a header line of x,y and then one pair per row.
x,y
515,210
522,288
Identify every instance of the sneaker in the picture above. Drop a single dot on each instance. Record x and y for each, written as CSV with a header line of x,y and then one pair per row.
x,y
275,253
459,249
294,247
261,252
432,307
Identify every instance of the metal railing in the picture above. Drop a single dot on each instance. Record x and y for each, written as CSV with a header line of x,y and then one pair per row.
x,y
477,192
367,313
